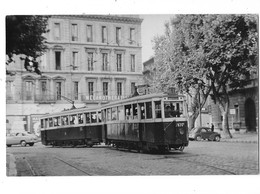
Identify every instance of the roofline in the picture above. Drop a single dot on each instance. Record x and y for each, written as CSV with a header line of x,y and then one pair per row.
x,y
118,18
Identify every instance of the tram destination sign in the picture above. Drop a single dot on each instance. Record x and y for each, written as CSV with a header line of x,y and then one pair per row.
x,y
104,98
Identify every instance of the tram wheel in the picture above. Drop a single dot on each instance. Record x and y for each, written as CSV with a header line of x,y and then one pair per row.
x,y
181,148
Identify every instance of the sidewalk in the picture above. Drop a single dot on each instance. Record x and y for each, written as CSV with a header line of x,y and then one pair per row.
x,y
242,138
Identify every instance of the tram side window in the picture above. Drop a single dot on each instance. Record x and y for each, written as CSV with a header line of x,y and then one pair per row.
x,y
93,117
158,112
80,118
46,122
88,118
50,122
135,111
103,115
142,110
64,120
128,112
114,113
149,113
109,114
42,125
57,121
99,117
73,120
120,110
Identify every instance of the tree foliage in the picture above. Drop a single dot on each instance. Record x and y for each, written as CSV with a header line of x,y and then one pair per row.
x,y
211,54
24,36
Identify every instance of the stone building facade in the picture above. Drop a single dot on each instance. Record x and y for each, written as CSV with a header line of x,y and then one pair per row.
x,y
91,59
243,109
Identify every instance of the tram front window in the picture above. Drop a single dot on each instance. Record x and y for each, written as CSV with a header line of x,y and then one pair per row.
x,y
172,109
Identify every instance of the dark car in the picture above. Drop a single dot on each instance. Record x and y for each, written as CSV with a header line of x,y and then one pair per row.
x,y
200,133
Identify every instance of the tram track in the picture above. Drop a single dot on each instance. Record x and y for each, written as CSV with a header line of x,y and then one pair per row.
x,y
73,166
207,165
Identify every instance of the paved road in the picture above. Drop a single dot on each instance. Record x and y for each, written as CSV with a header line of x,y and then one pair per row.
x,y
199,158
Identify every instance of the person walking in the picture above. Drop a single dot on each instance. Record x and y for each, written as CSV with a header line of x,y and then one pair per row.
x,y
212,127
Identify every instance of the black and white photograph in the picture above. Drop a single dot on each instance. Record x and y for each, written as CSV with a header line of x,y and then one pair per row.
x,y
122,101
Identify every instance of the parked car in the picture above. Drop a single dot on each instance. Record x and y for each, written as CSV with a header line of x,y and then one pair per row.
x,y
22,138
200,133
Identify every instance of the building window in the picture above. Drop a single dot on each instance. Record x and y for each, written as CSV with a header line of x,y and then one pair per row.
x,y
10,90
132,35
76,90
57,60
58,90
105,88
104,34
43,62
132,63
119,88
43,88
90,61
28,90
89,33
57,35
104,61
132,87
91,88
119,62
74,60
118,35
74,32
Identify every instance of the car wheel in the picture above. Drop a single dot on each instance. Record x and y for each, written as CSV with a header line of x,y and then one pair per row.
x,y
31,144
217,138
198,138
23,143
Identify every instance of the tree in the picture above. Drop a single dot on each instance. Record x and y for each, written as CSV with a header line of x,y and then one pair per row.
x,y
24,36
211,54
177,63
231,55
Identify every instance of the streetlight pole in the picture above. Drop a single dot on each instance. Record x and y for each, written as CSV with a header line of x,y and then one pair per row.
x,y
200,110
200,118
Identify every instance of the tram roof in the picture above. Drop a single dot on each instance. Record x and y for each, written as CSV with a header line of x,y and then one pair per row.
x,y
72,111
140,98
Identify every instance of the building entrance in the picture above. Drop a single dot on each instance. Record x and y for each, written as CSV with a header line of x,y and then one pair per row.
x,y
250,115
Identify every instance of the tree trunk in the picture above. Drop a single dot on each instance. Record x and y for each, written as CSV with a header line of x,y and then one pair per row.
x,y
192,119
225,123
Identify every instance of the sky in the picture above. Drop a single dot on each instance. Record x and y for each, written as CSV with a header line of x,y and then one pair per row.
x,y
152,25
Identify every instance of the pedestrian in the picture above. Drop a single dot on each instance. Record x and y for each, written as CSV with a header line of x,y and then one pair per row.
x,y
212,127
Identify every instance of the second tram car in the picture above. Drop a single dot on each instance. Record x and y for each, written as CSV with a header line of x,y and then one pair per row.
x,y
147,122
81,126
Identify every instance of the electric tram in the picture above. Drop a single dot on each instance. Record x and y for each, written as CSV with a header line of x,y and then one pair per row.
x,y
146,122
74,127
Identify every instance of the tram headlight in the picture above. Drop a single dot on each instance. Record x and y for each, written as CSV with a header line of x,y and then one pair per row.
x,y
181,130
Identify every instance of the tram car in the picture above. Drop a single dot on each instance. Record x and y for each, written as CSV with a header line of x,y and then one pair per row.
x,y
74,127
147,122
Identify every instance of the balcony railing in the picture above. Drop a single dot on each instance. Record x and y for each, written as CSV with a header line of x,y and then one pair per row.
x,y
45,98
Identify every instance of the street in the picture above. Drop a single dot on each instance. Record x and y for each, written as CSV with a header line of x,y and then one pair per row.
x,y
199,158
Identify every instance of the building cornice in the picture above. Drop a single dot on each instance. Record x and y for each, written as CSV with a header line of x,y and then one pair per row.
x,y
108,18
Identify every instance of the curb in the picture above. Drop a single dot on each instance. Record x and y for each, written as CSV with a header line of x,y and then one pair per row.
x,y
10,165
239,141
